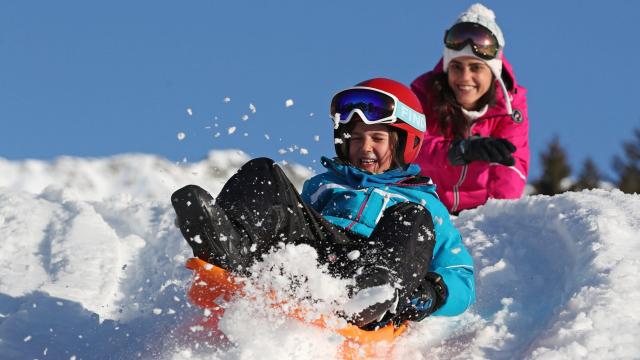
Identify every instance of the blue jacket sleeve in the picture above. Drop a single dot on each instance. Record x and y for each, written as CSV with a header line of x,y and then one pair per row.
x,y
452,261
308,189
305,192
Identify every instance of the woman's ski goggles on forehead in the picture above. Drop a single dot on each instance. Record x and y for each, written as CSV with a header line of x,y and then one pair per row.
x,y
374,107
484,43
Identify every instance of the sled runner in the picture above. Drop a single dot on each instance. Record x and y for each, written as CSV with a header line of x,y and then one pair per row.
x,y
211,283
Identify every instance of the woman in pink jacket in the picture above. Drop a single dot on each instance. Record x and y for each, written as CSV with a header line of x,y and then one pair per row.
x,y
476,146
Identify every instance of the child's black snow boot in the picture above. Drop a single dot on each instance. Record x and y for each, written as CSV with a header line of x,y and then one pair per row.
x,y
209,231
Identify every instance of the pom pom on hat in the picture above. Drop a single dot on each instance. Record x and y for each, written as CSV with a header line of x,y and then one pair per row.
x,y
479,14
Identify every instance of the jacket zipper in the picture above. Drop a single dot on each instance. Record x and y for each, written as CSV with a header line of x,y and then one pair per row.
x,y
463,175
359,214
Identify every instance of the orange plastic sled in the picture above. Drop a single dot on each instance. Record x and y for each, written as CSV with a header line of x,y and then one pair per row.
x,y
211,283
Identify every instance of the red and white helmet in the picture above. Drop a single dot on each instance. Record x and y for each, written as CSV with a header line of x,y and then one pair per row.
x,y
404,113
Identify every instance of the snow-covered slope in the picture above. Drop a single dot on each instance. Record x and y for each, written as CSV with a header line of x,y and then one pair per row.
x,y
144,176
92,267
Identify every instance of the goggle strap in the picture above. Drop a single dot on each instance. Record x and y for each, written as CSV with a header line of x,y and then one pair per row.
x,y
507,97
410,116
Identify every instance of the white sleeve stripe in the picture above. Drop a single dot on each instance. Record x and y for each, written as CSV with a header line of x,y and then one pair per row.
x,y
524,178
520,174
459,266
323,188
390,195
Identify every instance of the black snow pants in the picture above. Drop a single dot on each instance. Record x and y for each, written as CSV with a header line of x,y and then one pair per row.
x,y
258,207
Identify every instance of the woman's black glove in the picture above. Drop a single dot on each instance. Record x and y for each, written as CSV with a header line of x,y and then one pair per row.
x,y
428,297
476,148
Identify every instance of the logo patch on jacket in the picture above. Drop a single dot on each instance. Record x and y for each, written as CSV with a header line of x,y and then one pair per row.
x,y
516,116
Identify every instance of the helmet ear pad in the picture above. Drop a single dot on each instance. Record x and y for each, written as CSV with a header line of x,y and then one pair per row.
x,y
407,140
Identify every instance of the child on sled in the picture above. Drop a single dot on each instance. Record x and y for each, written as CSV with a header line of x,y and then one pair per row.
x,y
370,202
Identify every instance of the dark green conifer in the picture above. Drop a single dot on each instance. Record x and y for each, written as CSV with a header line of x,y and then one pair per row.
x,y
589,177
628,169
555,169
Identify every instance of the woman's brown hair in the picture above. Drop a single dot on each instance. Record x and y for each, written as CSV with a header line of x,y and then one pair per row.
x,y
450,117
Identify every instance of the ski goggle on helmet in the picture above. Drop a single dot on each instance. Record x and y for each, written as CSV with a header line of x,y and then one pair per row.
x,y
381,101
484,43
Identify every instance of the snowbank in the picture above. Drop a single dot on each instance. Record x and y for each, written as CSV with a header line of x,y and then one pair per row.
x,y
92,267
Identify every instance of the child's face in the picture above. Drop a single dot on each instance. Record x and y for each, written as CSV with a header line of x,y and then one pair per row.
x,y
369,148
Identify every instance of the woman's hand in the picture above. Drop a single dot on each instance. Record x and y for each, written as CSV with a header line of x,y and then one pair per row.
x,y
475,148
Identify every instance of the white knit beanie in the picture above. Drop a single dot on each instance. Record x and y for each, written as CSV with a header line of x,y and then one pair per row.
x,y
479,14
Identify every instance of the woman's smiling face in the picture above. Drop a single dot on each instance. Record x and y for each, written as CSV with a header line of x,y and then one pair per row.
x,y
470,79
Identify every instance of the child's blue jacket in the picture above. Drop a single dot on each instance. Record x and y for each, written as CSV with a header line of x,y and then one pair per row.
x,y
355,200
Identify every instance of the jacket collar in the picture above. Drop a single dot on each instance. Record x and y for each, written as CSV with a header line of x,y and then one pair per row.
x,y
356,177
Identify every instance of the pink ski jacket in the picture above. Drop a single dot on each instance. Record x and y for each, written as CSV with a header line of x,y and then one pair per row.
x,y
471,185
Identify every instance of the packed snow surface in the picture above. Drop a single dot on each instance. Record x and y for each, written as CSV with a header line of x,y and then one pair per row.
x,y
92,267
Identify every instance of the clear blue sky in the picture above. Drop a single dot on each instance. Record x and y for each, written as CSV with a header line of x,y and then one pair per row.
x,y
86,78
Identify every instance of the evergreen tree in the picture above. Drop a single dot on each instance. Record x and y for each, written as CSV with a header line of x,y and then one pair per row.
x,y
555,169
629,169
589,176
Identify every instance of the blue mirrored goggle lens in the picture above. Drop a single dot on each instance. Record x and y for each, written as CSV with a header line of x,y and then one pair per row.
x,y
374,105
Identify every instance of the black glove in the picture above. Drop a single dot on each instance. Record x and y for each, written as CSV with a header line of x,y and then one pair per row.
x,y
428,297
475,148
